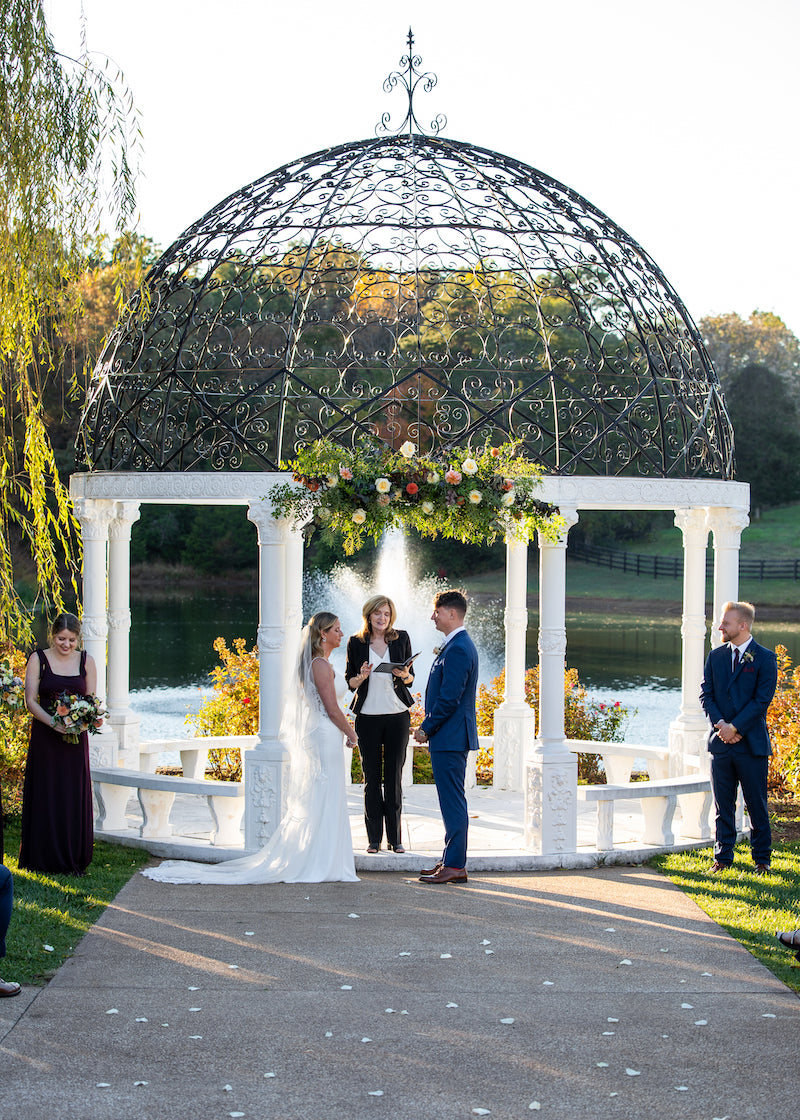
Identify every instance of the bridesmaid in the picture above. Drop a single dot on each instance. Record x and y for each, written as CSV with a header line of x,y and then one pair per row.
x,y
381,705
57,798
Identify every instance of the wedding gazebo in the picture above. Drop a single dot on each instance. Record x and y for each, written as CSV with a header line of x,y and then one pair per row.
x,y
408,287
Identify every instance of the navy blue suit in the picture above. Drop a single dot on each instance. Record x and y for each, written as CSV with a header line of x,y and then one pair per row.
x,y
741,698
452,731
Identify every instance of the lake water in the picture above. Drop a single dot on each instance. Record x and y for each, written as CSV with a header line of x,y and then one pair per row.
x,y
633,659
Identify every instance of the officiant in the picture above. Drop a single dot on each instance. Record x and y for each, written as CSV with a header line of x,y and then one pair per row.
x,y
379,673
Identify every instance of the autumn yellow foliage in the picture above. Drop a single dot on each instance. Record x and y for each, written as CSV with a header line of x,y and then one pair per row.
x,y
232,709
783,721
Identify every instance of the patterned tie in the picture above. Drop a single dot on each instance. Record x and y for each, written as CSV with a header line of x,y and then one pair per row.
x,y
735,659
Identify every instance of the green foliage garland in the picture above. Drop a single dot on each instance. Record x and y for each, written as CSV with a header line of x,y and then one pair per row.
x,y
471,496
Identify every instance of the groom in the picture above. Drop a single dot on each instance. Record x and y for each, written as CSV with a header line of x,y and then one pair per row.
x,y
451,731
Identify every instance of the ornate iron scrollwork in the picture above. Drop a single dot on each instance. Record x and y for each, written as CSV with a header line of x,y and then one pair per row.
x,y
409,287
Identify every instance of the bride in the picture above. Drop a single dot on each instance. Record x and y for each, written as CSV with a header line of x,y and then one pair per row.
x,y
312,843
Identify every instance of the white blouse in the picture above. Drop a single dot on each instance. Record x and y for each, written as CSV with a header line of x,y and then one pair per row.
x,y
381,698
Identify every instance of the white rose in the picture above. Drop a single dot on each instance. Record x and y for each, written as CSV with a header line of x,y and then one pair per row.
x,y
433,477
408,450
469,466
508,499
383,485
475,497
359,516
427,507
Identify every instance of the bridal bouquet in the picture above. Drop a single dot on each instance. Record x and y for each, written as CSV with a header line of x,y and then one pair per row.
x,y
12,688
78,714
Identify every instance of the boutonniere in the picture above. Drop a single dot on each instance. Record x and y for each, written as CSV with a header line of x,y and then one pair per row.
x,y
437,650
747,657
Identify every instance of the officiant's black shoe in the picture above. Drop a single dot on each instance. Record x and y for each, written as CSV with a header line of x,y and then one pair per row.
x,y
446,875
432,870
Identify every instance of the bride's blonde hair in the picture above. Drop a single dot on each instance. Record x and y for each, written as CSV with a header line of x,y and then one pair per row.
x,y
311,646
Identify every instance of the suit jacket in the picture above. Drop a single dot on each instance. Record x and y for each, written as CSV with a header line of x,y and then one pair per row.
x,y
741,698
358,653
450,722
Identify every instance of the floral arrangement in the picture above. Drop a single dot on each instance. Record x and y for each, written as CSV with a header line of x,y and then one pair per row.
x,y
12,688
472,496
78,714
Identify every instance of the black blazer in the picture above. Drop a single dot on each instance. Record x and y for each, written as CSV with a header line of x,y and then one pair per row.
x,y
358,653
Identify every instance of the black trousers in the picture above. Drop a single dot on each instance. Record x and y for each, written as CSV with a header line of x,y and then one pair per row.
x,y
382,742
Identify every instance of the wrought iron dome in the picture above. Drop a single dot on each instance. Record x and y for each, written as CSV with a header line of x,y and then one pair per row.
x,y
407,286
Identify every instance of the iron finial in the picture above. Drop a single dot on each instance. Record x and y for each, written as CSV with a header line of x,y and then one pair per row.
x,y
409,77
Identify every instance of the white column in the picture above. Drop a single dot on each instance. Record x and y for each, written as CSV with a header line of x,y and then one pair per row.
x,y
123,720
726,524
266,766
687,733
514,719
551,823
294,599
94,515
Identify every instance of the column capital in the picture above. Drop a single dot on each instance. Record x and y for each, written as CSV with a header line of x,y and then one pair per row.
x,y
270,529
125,514
569,516
727,524
94,515
692,523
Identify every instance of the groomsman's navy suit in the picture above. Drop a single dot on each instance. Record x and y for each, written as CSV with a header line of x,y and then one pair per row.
x,y
740,697
452,732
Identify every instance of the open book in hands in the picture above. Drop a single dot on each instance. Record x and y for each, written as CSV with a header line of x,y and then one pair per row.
x,y
387,666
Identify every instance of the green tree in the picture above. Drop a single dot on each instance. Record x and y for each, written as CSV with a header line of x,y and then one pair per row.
x,y
765,419
67,134
763,339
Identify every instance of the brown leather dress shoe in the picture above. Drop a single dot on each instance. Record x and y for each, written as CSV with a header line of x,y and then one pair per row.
x,y
762,869
432,870
446,875
716,867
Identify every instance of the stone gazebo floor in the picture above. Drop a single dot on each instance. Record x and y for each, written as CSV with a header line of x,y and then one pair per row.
x,y
495,839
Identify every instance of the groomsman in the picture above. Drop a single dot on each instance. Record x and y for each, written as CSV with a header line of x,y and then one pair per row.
x,y
451,731
739,682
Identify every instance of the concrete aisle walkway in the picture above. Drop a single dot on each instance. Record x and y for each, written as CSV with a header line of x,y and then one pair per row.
x,y
599,994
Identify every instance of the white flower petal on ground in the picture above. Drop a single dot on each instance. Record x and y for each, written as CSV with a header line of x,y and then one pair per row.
x,y
610,1020
196,1037
249,933
48,948
687,1006
701,1022
548,983
347,987
681,1088
626,961
768,1015
613,1094
452,1005
390,1011
236,1114
112,1011
353,915
445,956
141,1020
404,1013
609,929
233,966
482,1111
534,1106
507,1021
663,950
195,1009
485,942
366,1040
140,1083
165,1024
489,952
608,1033
633,1072
269,1074
706,973
103,1085
405,953
227,1088
329,1034
375,1093
193,988
601,1065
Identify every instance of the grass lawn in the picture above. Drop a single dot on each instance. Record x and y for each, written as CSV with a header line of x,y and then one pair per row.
x,y
750,907
56,910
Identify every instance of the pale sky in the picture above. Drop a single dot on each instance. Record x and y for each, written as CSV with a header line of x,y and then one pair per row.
x,y
679,120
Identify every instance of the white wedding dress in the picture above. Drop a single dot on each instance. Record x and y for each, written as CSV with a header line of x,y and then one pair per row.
x,y
312,843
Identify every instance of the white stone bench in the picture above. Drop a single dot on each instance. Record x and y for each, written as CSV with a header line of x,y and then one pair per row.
x,y
193,752
618,758
156,794
658,801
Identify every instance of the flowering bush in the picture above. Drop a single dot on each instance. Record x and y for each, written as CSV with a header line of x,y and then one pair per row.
x,y
12,688
15,729
583,719
783,721
471,496
232,709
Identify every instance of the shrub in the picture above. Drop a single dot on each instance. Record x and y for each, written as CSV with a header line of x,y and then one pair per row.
x,y
15,731
583,719
232,709
783,722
